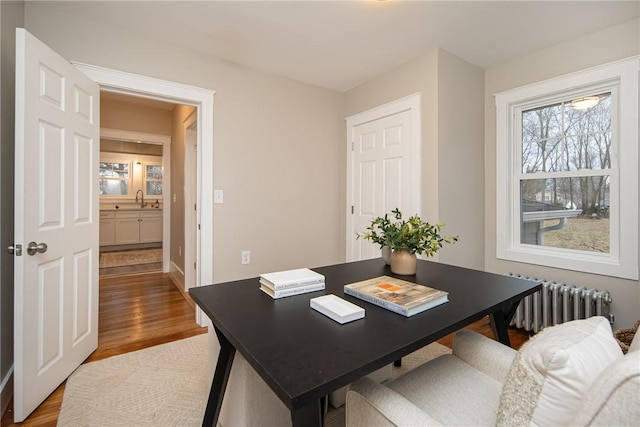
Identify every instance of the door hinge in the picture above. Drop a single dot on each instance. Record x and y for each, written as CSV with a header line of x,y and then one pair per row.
x,y
195,206
353,145
351,209
194,265
198,226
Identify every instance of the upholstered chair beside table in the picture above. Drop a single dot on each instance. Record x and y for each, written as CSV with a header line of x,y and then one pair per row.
x,y
570,374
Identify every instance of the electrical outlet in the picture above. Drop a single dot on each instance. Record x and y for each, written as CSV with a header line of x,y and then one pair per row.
x,y
245,257
218,196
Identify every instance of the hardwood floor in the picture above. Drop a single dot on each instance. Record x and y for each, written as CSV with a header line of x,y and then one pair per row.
x,y
135,312
146,310
517,336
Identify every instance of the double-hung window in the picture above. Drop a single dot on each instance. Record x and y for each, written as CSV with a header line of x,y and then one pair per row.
x,y
567,171
153,179
123,175
115,178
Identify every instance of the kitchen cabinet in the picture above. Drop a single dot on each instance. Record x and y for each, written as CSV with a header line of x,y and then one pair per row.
x,y
127,227
150,226
107,228
130,227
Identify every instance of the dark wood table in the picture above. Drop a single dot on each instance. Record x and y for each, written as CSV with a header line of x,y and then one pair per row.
x,y
303,355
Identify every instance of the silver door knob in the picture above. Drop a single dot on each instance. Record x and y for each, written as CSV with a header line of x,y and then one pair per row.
x,y
33,248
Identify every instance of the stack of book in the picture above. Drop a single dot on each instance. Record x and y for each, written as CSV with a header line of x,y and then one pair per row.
x,y
291,282
397,295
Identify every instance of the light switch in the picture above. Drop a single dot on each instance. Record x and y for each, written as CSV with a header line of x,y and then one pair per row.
x,y
218,196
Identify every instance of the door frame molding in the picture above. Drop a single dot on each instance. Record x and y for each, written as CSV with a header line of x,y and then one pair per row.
x,y
411,103
202,99
191,241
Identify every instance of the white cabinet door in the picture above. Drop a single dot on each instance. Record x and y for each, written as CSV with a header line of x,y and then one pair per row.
x,y
150,227
107,232
127,227
107,228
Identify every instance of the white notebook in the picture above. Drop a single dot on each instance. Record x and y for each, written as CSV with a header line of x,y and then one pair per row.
x,y
336,308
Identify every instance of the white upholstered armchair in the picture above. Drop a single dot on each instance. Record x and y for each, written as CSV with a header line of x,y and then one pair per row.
x,y
570,374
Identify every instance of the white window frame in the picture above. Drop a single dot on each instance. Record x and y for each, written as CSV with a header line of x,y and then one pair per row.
x,y
109,158
137,174
145,179
622,259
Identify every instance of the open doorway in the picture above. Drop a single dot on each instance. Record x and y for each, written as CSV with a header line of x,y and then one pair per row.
x,y
135,173
202,100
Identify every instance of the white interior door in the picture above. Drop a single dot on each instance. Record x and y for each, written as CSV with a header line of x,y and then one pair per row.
x,y
56,204
384,169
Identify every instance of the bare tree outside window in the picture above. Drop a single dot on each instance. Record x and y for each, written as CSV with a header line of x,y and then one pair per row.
x,y
153,180
565,178
114,179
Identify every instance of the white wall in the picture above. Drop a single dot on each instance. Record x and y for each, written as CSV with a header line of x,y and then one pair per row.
x,y
615,43
277,145
452,144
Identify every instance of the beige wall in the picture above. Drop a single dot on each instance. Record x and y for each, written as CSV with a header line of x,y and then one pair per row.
x,y
277,145
599,48
134,117
461,147
111,146
452,174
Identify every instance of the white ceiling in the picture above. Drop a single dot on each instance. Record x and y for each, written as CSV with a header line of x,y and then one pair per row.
x,y
342,44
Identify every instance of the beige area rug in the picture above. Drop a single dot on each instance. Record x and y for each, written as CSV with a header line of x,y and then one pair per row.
x,y
165,385
130,257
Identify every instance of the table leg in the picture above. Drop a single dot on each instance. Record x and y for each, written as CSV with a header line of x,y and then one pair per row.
x,y
310,415
499,327
220,379
500,323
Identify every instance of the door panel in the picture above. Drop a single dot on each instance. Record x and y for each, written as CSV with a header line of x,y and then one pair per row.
x,y
83,154
82,318
382,174
50,294
56,203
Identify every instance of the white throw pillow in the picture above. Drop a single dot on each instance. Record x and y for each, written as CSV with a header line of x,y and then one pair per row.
x,y
553,371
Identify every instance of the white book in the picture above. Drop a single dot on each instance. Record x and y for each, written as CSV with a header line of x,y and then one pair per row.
x,y
336,308
291,278
275,294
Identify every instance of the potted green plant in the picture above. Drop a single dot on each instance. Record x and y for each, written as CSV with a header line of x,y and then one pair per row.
x,y
406,239
378,232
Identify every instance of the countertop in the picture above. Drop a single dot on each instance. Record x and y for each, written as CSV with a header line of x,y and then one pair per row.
x,y
130,208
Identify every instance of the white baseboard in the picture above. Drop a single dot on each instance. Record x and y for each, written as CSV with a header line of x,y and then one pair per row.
x,y
6,391
177,276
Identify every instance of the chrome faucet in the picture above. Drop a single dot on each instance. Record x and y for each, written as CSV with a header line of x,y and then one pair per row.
x,y
142,205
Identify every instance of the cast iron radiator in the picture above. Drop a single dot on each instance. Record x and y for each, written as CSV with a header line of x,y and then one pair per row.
x,y
558,303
